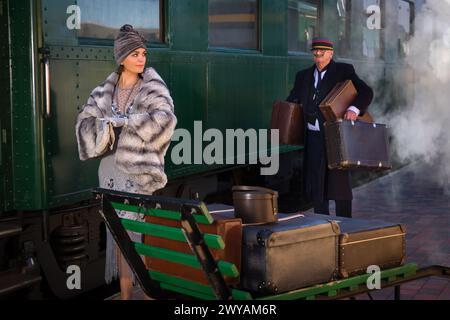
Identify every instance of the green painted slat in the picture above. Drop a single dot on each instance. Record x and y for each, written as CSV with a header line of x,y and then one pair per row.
x,y
213,241
160,213
179,282
188,292
241,295
332,293
354,288
408,269
169,255
226,268
194,286
202,219
154,230
330,288
392,279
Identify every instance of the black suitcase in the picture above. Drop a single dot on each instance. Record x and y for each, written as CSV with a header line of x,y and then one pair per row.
x,y
356,144
365,243
289,255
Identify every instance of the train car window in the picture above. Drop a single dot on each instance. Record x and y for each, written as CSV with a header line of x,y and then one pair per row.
x,y
343,8
405,20
302,24
101,19
233,24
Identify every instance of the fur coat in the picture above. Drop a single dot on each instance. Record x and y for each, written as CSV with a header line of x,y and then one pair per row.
x,y
143,142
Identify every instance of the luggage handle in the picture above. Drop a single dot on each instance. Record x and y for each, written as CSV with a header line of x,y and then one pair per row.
x,y
295,216
221,211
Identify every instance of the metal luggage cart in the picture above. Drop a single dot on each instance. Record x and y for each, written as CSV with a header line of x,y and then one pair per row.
x,y
190,213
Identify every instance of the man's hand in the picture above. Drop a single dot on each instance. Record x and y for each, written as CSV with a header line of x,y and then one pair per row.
x,y
350,115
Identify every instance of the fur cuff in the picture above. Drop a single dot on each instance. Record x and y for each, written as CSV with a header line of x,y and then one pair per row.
x,y
105,136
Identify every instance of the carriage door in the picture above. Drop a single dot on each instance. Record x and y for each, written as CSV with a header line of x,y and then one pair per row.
x,y
70,71
5,114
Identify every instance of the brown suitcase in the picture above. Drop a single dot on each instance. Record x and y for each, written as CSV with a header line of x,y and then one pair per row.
x,y
357,145
336,103
288,118
290,254
365,243
229,228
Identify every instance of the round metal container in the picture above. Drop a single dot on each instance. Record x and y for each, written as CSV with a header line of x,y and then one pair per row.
x,y
255,204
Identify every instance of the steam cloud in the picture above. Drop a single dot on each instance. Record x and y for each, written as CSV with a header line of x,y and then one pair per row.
x,y
421,128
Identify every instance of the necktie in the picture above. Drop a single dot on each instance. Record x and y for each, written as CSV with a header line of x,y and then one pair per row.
x,y
319,82
319,78
312,117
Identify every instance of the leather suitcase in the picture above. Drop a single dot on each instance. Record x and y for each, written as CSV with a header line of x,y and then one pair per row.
x,y
289,255
353,145
288,118
336,103
364,243
225,225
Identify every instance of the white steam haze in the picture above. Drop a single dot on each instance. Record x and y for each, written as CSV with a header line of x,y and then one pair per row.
x,y
421,128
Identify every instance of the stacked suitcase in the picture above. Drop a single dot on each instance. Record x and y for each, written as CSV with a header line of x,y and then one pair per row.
x,y
288,255
295,252
364,243
314,249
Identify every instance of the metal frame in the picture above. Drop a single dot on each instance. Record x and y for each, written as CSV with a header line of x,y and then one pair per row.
x,y
432,271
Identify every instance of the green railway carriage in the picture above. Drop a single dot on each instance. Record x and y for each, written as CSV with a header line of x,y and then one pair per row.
x,y
225,62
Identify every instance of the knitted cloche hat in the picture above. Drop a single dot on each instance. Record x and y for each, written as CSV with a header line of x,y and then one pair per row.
x,y
126,42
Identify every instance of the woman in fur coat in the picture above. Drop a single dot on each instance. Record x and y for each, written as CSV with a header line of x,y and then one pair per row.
x,y
128,121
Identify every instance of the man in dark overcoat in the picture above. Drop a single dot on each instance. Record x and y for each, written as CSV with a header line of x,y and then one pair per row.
x,y
311,86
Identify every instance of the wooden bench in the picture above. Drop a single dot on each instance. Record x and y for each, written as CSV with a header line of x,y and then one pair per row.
x,y
190,213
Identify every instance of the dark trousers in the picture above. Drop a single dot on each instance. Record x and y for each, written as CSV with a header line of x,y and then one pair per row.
x,y
343,208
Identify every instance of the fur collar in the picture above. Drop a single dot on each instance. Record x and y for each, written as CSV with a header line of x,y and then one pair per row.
x,y
103,93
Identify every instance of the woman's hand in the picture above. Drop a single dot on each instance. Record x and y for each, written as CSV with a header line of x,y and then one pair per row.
x,y
118,122
115,121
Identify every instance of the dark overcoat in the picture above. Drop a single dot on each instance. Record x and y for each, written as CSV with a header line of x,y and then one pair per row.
x,y
334,184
